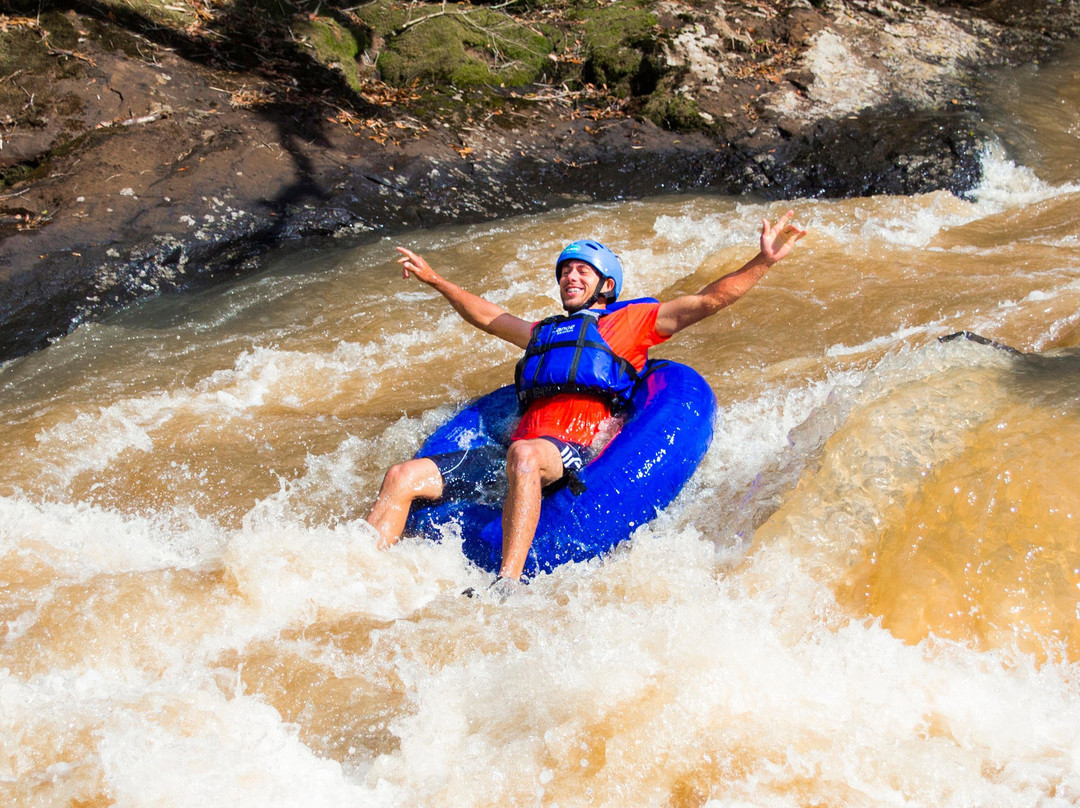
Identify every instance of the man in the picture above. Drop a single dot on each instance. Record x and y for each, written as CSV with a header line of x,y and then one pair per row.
x,y
562,413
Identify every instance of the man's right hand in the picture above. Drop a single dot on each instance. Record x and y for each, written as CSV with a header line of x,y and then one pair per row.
x,y
413,264
477,311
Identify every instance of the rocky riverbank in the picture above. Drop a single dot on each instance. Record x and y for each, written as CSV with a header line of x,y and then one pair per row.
x,y
149,147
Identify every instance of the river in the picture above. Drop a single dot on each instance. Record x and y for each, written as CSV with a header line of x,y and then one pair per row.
x,y
868,595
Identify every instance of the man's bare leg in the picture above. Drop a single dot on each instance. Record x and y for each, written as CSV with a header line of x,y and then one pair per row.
x,y
530,465
414,479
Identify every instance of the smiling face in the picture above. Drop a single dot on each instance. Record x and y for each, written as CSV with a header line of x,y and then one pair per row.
x,y
577,283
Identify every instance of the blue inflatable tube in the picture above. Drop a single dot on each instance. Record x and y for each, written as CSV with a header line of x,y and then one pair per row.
x,y
668,429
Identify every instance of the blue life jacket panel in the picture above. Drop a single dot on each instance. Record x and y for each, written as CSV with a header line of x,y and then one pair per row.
x,y
566,354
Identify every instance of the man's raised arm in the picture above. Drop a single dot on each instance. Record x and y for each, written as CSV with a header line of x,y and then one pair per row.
x,y
475,310
776,242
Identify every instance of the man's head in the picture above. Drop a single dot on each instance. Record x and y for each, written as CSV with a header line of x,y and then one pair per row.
x,y
588,271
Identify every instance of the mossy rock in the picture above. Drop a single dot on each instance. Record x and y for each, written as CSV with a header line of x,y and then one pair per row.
x,y
467,47
384,17
676,112
334,46
620,41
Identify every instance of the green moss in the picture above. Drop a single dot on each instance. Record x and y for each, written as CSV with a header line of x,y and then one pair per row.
x,y
675,112
619,41
334,45
614,45
384,17
15,174
20,48
58,28
432,50
462,45
24,52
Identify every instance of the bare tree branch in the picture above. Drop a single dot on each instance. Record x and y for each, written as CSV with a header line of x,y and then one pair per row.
x,y
449,13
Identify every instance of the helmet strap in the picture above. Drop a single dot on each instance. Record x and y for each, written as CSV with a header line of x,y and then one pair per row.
x,y
588,304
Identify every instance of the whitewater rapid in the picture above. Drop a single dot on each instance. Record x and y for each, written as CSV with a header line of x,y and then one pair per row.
x,y
867,595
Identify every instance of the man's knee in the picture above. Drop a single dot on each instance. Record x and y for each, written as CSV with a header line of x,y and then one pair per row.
x,y
533,459
396,477
411,479
522,460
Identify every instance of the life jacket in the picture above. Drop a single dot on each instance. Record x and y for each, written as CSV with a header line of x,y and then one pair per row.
x,y
566,354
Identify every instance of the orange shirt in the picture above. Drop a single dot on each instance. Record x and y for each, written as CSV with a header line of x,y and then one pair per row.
x,y
574,417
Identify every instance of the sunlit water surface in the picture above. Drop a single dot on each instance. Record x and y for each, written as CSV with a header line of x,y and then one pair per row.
x,y
868,595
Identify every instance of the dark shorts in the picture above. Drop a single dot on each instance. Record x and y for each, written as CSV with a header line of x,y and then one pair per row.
x,y
480,474
477,474
574,455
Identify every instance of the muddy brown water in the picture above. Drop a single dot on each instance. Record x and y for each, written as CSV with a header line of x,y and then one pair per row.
x,y
868,595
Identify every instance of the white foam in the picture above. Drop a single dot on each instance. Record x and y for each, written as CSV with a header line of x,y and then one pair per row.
x,y
205,750
173,742
1006,185
882,342
79,541
629,682
289,573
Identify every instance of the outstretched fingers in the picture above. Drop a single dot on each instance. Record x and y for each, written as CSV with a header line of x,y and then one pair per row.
x,y
414,264
777,240
408,261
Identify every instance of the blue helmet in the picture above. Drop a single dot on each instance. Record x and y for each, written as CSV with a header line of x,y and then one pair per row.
x,y
600,258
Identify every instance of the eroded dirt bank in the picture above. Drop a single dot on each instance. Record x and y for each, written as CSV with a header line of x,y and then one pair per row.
x,y
142,154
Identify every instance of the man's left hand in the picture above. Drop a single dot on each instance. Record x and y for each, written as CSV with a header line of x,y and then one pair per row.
x,y
777,241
